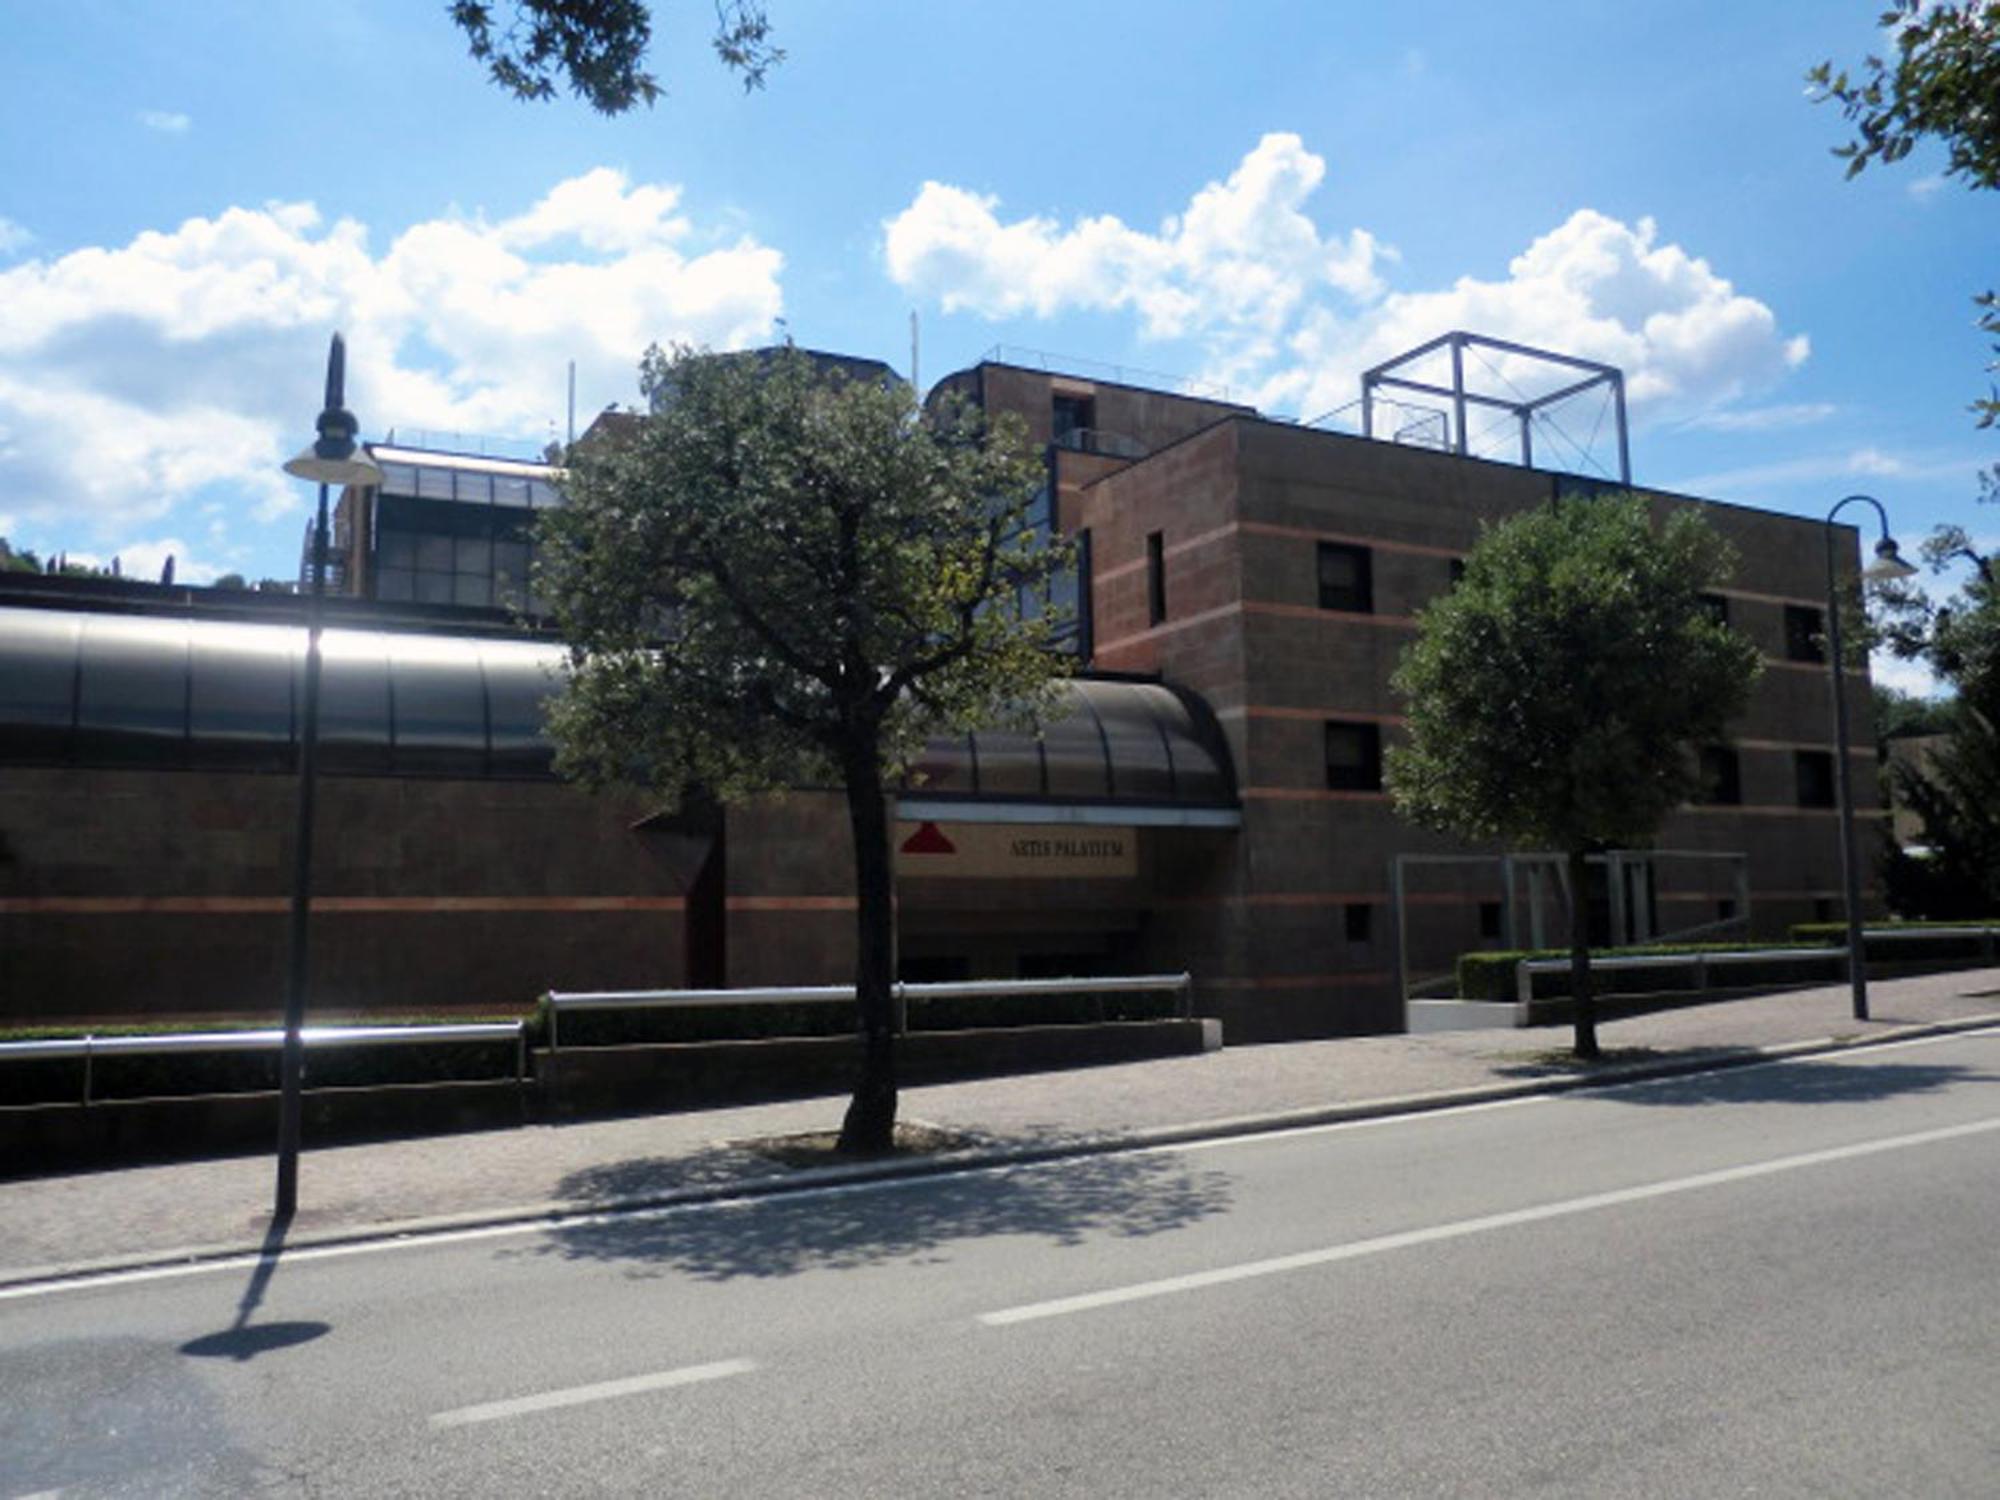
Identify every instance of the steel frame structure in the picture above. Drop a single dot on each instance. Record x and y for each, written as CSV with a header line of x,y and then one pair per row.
x,y
1458,341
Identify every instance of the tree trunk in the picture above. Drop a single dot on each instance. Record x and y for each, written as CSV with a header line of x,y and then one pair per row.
x,y
870,1125
1583,1002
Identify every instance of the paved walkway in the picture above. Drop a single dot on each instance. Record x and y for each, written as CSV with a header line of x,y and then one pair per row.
x,y
148,1214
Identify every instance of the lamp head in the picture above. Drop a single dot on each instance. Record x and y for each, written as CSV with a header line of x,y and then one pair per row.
x,y
333,457
1888,563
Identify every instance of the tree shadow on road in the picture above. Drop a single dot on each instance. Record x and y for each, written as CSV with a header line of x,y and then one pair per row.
x,y
1062,1202
1799,1081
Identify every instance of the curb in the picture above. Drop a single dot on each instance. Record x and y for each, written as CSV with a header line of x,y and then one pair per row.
x,y
780,1183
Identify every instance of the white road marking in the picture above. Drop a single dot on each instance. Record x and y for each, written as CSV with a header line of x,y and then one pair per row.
x,y
604,1390
517,1228
1409,1239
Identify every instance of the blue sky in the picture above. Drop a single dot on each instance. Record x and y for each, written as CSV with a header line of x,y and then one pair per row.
x,y
1264,195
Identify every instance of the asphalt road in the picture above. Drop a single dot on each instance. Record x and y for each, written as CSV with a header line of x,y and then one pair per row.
x,y
1782,1280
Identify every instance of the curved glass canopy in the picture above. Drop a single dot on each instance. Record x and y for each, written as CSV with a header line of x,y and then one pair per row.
x,y
89,689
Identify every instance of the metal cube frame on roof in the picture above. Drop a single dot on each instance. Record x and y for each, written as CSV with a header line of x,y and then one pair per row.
x,y
1524,409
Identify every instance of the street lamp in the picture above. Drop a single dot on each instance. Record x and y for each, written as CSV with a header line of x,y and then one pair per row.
x,y
1887,564
332,459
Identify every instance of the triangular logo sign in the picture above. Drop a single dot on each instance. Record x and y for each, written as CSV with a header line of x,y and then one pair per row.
x,y
929,839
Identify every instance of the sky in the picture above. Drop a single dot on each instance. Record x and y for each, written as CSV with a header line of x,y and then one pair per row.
x,y
1260,196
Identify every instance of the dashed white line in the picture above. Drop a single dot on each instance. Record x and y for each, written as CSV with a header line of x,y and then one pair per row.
x,y
580,1395
1408,1239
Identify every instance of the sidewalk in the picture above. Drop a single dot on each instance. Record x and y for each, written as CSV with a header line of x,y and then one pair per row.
x,y
146,1215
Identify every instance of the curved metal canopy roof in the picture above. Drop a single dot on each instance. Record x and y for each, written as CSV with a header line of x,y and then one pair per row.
x,y
88,689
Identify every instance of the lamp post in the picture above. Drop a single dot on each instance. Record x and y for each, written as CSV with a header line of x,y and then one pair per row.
x,y
332,459
1887,564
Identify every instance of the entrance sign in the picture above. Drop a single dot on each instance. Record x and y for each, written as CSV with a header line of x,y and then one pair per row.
x,y
1015,851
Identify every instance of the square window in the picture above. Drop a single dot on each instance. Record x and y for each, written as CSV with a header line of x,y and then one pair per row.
x,y
1805,629
1814,769
433,588
1345,578
1156,577
1073,417
471,554
397,549
434,553
1360,920
1721,776
398,585
1354,757
1725,909
474,589
1489,919
434,484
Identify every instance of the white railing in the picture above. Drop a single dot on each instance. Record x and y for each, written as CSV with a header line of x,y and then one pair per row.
x,y
90,1047
843,994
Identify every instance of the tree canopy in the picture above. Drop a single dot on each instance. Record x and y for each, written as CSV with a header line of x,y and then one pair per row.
x,y
1557,693
781,576
599,47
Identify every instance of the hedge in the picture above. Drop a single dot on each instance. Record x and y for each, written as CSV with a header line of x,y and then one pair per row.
x,y
1836,932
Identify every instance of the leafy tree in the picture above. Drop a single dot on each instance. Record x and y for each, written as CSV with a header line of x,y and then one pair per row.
x,y
1899,715
1955,794
1556,693
17,562
599,46
784,577
1942,84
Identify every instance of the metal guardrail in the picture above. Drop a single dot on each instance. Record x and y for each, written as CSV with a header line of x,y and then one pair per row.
x,y
90,1047
1701,963
843,994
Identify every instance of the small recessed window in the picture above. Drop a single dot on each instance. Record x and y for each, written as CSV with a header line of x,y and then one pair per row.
x,y
1345,578
1822,908
1360,921
1354,757
1457,567
1156,577
1725,909
1805,631
1716,607
1814,769
1489,919
1721,775
1073,418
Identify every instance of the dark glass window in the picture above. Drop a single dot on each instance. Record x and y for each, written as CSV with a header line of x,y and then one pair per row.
x,y
397,585
1360,921
1346,578
1353,757
1086,633
510,491
1489,919
398,479
434,484
1814,769
1072,416
434,553
1156,577
1725,910
1716,607
433,588
397,549
1721,775
1804,629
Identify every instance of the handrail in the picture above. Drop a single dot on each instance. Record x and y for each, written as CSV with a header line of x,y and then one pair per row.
x,y
834,994
89,1047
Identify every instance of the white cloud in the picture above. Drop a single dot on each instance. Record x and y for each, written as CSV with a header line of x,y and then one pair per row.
x,y
1764,418
1241,257
180,369
165,121
1923,189
1290,315
13,237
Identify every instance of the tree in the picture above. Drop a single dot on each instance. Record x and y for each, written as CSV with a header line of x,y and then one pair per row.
x,y
1955,793
1944,85
599,46
1556,694
784,577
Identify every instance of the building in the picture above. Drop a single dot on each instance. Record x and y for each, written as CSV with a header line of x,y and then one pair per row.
x,y
1211,801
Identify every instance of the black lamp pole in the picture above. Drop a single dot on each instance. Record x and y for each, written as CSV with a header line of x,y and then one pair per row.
x,y
1887,565
330,460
